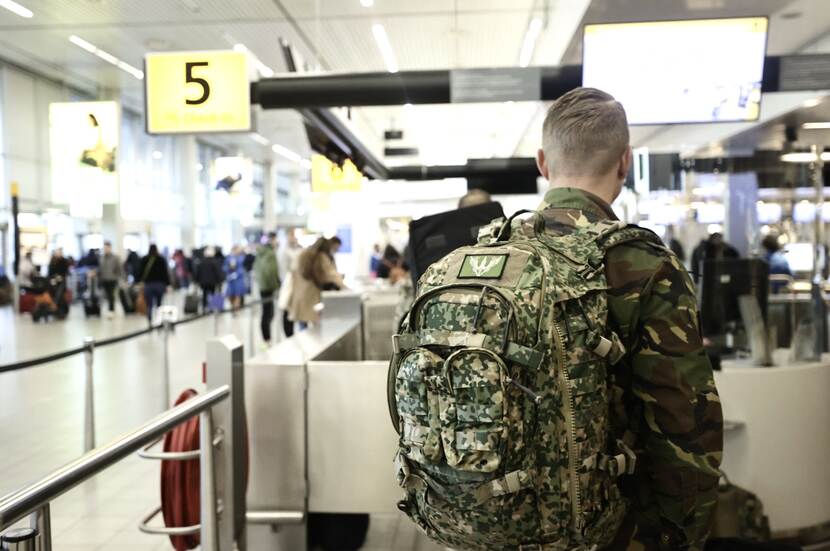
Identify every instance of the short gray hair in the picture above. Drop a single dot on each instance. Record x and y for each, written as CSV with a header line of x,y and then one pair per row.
x,y
584,134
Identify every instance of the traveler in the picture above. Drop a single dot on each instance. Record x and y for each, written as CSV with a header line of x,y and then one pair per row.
x,y
109,273
375,260
288,257
181,269
58,265
267,272
132,266
26,272
778,264
235,273
391,259
665,390
209,275
155,277
551,389
316,272
712,248
473,198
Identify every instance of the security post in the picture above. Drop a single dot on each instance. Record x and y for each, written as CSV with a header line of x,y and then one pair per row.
x,y
89,395
225,363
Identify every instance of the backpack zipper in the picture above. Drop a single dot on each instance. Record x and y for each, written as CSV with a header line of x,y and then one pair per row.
x,y
570,420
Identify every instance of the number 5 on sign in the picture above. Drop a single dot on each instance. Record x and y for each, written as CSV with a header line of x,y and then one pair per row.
x,y
192,92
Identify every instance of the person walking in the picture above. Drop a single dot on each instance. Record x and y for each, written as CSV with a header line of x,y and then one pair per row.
x,y
267,273
209,275
316,272
234,268
109,274
155,277
288,257
58,265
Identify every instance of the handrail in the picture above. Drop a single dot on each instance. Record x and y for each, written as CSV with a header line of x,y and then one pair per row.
x,y
16,506
120,338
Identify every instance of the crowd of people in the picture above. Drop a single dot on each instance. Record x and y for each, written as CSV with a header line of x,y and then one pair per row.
x,y
287,276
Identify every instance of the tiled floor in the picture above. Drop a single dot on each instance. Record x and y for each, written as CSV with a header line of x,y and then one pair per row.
x,y
41,420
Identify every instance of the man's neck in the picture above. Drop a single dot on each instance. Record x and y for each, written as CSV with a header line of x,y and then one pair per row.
x,y
598,187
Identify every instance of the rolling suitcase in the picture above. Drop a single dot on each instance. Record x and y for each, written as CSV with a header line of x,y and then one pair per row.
x,y
191,304
92,307
127,301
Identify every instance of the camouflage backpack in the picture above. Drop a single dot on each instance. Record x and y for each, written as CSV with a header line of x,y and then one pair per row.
x,y
498,389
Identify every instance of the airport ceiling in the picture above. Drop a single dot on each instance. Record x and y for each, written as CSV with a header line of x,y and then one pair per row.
x,y
336,35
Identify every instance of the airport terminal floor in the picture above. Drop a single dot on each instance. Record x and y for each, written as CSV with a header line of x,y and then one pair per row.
x,y
382,275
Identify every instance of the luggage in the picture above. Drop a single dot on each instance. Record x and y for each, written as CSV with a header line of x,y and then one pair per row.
x,y
92,307
433,237
140,303
216,302
42,311
27,303
191,304
739,514
498,390
127,297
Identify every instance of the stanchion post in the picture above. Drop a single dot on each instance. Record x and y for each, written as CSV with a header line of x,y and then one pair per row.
x,y
167,328
251,330
89,395
41,521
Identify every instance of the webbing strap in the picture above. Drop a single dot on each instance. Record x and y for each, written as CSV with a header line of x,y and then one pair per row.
x,y
612,349
514,352
508,484
616,465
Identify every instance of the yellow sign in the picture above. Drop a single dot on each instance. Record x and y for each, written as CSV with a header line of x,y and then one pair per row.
x,y
189,92
328,177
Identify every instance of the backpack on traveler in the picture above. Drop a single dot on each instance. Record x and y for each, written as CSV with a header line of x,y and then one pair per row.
x,y
499,391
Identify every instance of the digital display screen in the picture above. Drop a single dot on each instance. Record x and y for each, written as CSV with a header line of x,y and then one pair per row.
x,y
705,70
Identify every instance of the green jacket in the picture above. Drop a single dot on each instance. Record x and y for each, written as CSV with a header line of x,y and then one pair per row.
x,y
266,269
664,393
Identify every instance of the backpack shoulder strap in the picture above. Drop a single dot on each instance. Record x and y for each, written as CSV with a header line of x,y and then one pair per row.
x,y
631,233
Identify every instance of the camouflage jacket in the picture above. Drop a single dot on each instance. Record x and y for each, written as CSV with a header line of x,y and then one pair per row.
x,y
664,392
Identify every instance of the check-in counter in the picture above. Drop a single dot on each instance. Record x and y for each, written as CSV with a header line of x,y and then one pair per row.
x,y
777,440
320,436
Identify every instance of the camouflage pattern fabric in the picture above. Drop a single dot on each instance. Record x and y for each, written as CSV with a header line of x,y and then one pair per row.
x,y
663,391
501,390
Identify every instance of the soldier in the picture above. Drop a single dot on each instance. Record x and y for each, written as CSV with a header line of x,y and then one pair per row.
x,y
664,399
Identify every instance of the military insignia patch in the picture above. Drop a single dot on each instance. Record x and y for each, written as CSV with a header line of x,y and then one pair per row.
x,y
483,266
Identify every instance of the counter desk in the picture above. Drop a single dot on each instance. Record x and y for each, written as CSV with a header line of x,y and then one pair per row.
x,y
777,439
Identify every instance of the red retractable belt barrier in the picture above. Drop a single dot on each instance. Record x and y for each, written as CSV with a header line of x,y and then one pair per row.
x,y
180,480
180,494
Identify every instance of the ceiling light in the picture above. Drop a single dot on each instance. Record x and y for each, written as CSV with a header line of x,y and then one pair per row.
x,y
385,48
367,3
16,8
260,139
804,157
157,155
283,151
529,44
816,126
199,167
106,56
811,103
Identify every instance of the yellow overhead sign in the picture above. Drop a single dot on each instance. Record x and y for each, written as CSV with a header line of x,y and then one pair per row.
x,y
328,177
190,92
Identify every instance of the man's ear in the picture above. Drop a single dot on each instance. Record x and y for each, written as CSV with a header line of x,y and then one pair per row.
x,y
625,163
542,164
